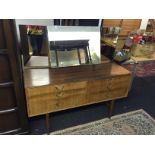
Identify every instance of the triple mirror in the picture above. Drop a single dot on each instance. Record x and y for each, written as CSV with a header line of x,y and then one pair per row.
x,y
60,46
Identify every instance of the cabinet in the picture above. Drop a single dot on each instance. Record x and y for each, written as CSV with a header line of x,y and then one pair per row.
x,y
13,117
51,90
111,22
127,25
51,98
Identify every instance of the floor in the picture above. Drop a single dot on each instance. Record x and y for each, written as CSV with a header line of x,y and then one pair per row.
x,y
141,96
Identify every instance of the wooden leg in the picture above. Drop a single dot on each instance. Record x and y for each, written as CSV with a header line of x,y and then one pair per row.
x,y
110,108
134,74
47,124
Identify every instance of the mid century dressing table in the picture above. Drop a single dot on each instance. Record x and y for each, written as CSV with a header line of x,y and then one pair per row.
x,y
51,90
54,89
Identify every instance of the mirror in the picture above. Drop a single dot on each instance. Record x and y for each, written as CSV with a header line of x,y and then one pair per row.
x,y
73,45
34,45
80,47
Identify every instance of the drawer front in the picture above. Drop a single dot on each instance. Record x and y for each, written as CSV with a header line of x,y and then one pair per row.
x,y
54,98
108,89
119,82
54,89
97,90
118,87
42,100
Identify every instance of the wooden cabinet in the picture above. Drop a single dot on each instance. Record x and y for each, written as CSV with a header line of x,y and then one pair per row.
x,y
111,22
127,25
46,99
53,96
13,118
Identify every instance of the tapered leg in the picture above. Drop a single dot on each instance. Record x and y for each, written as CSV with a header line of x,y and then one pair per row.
x,y
110,108
47,124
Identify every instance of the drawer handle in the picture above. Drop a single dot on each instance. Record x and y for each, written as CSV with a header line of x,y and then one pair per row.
x,y
59,88
59,94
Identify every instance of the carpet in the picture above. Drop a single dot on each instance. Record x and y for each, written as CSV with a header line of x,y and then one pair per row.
x,y
132,123
142,69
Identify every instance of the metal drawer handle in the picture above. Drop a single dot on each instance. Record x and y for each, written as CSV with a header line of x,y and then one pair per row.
x,y
59,94
59,88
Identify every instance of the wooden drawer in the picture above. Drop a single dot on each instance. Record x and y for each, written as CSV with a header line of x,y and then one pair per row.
x,y
42,100
46,99
108,89
119,86
43,90
119,82
97,90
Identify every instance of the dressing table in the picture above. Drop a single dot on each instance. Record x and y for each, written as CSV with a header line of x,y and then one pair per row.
x,y
71,80
51,90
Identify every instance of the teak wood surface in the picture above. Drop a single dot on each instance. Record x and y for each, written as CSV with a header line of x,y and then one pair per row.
x,y
51,90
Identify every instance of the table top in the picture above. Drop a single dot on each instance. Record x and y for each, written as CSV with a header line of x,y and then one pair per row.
x,y
37,62
110,42
50,76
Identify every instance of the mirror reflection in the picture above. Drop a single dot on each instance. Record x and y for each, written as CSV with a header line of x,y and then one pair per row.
x,y
35,36
34,45
71,46
39,49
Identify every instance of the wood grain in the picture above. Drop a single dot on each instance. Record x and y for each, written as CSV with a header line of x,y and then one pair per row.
x,y
13,118
111,22
73,87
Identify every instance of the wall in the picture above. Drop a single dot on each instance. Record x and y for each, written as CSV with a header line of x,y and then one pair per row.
x,y
144,24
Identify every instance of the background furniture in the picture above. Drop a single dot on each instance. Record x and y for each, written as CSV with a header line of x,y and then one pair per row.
x,y
13,118
126,25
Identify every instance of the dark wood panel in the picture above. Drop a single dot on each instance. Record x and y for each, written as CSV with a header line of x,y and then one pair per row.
x,y
7,98
97,90
5,71
6,125
24,43
2,41
11,82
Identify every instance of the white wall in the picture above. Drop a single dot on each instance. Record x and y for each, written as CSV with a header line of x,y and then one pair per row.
x,y
144,24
